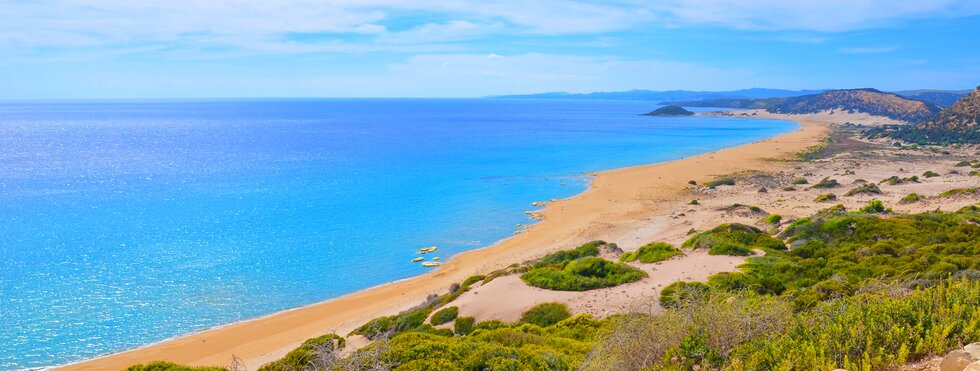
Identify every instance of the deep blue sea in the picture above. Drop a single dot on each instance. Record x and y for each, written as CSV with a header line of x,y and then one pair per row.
x,y
126,223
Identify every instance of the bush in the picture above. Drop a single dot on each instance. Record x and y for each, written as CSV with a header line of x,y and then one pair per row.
x,y
874,331
865,189
694,202
720,182
874,206
826,197
895,180
463,325
958,192
378,327
444,316
734,239
169,366
300,357
681,291
582,274
930,174
546,314
562,257
651,253
910,198
826,183
773,219
799,181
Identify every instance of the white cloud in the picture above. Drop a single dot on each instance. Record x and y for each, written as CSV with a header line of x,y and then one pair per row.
x,y
813,15
869,50
462,74
364,25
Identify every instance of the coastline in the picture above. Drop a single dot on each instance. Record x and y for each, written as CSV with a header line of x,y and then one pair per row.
x,y
615,202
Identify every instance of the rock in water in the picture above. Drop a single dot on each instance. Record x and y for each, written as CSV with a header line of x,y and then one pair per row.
x,y
670,111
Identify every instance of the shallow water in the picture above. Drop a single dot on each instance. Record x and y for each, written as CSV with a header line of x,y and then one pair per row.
x,y
125,223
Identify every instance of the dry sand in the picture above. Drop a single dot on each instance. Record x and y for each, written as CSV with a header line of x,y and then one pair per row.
x,y
631,205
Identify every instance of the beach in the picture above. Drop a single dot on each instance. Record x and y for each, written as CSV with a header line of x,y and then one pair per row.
x,y
616,203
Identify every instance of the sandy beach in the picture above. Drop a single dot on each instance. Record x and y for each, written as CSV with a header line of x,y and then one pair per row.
x,y
619,204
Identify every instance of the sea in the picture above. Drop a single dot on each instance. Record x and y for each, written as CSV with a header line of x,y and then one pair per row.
x,y
124,223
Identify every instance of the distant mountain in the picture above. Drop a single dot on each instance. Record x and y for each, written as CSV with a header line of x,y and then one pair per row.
x,y
870,101
942,98
761,103
670,95
670,111
958,123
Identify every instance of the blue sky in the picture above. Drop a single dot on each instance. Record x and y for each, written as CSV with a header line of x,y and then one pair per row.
x,y
52,49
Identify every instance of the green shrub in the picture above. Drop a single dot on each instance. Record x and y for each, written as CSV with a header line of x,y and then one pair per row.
x,y
692,182
734,239
403,321
169,366
930,174
910,198
582,274
651,253
773,219
694,202
720,182
463,325
959,192
874,331
962,164
490,325
826,197
895,180
564,256
680,291
799,181
864,189
473,279
875,206
444,316
546,314
826,183
300,357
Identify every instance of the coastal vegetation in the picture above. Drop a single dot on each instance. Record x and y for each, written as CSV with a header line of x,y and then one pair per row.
x,y
864,189
444,316
546,314
651,253
826,183
734,239
771,219
720,182
910,198
582,274
856,291
826,197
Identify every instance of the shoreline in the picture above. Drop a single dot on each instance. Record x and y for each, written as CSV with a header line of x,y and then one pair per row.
x,y
615,201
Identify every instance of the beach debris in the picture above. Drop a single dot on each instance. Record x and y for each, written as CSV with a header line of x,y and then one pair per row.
x,y
539,204
431,264
426,250
418,259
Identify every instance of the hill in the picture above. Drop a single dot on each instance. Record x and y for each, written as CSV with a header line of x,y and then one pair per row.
x,y
761,103
670,111
958,123
870,101
669,95
942,98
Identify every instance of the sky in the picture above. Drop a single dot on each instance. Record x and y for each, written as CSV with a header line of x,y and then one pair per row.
x,y
68,49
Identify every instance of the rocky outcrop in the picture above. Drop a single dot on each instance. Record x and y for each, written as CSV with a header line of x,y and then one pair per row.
x,y
966,359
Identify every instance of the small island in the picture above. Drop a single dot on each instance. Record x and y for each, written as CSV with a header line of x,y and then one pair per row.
x,y
670,111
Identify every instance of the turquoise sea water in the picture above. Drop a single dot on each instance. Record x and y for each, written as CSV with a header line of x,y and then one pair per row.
x,y
126,223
